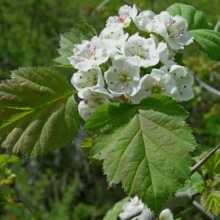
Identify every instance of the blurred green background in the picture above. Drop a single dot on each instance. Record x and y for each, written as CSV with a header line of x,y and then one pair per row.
x,y
62,185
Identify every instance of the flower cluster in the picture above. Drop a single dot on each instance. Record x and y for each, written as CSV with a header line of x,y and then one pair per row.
x,y
132,59
134,206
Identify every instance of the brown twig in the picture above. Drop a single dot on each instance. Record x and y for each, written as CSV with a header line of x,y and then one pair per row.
x,y
201,162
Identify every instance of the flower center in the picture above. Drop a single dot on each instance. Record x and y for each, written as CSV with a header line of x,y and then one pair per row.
x,y
124,78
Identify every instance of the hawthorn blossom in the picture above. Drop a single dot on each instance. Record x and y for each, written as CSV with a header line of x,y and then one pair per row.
x,y
151,42
92,100
173,29
166,214
115,37
91,78
122,77
184,90
164,52
135,205
157,82
127,10
144,20
89,54
144,50
124,19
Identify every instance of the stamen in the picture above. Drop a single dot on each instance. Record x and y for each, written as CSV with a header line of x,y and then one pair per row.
x,y
123,86
156,84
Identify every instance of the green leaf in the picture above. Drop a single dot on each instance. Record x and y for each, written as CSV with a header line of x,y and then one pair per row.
x,y
212,166
211,201
114,115
113,213
149,154
195,19
38,112
109,116
82,31
208,41
7,159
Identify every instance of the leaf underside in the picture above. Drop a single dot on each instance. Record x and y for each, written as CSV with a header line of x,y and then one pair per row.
x,y
38,112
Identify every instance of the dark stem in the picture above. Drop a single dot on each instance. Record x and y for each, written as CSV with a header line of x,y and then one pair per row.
x,y
22,199
201,162
203,211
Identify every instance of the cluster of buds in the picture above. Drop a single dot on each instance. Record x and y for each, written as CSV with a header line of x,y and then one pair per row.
x,y
133,58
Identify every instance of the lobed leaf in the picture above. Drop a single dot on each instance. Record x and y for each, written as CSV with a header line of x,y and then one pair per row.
x,y
113,115
208,41
195,19
149,154
38,112
82,31
211,201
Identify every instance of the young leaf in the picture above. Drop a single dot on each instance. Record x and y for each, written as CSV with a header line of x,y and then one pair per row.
x,y
195,19
7,159
208,41
149,154
211,201
82,31
116,114
38,112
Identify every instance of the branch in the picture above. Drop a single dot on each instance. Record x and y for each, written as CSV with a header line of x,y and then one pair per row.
x,y
101,5
217,25
22,198
203,160
202,210
207,87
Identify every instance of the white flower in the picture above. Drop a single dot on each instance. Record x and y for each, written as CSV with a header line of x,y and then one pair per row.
x,y
184,90
127,10
164,52
143,20
93,99
89,54
114,36
158,82
124,19
91,78
135,205
143,49
178,71
184,82
166,214
173,29
122,77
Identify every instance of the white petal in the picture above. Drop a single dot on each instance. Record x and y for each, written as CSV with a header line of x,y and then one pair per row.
x,y
91,78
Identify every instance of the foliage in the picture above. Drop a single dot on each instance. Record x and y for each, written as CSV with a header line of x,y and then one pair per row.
x,y
39,114
33,103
